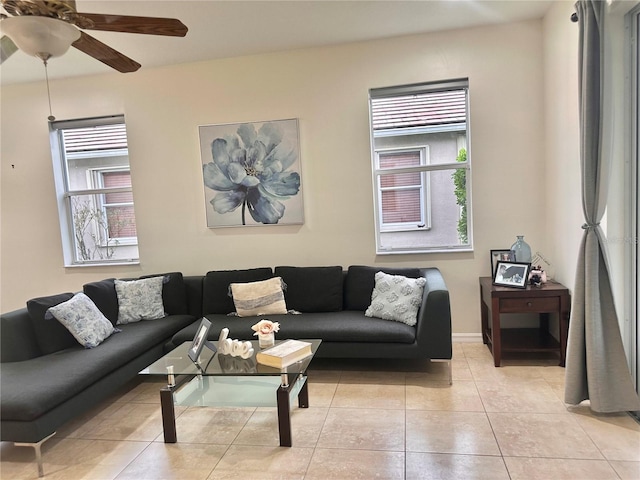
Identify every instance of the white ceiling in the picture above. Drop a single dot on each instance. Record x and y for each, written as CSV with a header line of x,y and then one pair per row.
x,y
220,29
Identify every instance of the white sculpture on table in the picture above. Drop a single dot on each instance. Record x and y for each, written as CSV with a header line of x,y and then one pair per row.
x,y
235,348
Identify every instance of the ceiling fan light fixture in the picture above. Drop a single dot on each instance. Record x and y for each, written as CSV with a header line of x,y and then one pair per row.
x,y
40,36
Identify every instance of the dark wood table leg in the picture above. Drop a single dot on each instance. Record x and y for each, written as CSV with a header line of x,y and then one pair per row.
x,y
496,340
284,416
563,320
168,415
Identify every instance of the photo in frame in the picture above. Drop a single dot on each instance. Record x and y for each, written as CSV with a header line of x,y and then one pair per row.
x,y
512,274
505,255
200,340
252,173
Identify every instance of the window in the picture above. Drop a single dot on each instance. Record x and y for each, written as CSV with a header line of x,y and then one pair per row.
x,y
95,196
421,168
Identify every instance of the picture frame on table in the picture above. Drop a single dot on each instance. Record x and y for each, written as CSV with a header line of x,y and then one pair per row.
x,y
200,340
504,254
512,274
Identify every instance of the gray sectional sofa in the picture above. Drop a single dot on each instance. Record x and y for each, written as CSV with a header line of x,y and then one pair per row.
x,y
47,378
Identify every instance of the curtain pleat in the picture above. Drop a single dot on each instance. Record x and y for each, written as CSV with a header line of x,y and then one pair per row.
x,y
596,366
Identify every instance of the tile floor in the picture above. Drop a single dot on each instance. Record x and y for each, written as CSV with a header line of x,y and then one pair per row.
x,y
366,421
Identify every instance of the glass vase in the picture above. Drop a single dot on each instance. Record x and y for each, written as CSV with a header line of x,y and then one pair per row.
x,y
522,250
266,340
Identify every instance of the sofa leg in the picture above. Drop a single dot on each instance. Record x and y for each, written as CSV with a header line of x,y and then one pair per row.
x,y
449,369
38,448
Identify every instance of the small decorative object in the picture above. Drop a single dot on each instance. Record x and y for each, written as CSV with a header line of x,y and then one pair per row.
x,y
265,330
522,250
537,276
512,274
235,348
504,255
200,340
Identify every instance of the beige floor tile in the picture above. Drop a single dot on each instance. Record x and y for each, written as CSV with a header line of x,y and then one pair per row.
x,y
262,427
460,370
373,378
177,461
135,422
558,390
476,350
616,435
534,396
363,429
82,471
461,396
626,470
450,432
484,371
211,425
369,396
558,469
457,350
321,394
242,462
548,435
439,466
332,464
323,376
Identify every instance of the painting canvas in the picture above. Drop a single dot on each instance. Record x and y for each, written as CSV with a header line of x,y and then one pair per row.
x,y
252,173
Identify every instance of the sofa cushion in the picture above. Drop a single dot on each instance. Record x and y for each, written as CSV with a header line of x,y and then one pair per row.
x,y
83,319
51,335
396,298
312,289
343,326
47,381
360,280
174,293
103,294
265,297
139,300
215,295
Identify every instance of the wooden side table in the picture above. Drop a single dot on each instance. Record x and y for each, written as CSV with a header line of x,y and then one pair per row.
x,y
551,297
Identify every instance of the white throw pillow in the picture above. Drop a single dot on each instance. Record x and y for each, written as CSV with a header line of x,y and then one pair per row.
x,y
83,319
396,298
139,300
259,298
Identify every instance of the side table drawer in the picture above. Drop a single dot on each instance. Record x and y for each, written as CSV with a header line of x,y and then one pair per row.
x,y
533,305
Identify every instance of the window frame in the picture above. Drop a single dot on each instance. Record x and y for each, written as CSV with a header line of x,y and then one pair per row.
x,y
97,181
65,194
425,204
428,168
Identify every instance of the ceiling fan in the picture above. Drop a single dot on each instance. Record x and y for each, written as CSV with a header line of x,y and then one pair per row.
x,y
47,28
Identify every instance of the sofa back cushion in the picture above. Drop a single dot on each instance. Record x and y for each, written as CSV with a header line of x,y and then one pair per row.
x,y
103,294
360,281
312,289
215,296
17,337
174,293
51,335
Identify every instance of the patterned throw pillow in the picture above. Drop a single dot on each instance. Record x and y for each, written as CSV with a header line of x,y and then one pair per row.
x,y
139,300
83,319
396,298
259,298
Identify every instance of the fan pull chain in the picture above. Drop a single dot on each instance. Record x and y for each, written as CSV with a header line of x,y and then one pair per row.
x,y
51,118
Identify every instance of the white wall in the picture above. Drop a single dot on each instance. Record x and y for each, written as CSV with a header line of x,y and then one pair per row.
x,y
326,88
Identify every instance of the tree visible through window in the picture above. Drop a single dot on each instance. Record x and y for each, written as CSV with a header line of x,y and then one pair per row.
x,y
421,167
95,196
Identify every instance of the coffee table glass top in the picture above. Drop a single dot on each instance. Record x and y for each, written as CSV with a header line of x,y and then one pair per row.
x,y
177,362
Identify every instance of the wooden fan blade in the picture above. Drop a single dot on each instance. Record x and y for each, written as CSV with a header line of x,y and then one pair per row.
x,y
7,48
106,54
129,24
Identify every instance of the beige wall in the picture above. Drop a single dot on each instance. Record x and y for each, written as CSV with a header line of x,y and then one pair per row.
x,y
326,89
564,216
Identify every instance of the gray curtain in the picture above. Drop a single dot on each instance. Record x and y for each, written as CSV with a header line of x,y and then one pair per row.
x,y
596,366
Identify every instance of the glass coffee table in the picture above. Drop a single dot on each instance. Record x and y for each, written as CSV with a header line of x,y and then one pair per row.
x,y
218,380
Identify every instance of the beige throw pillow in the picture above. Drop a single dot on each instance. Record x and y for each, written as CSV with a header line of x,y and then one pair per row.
x,y
259,298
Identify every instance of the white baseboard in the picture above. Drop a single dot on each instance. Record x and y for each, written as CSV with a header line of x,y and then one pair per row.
x,y
466,337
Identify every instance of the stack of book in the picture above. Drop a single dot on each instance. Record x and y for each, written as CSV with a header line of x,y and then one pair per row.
x,y
284,354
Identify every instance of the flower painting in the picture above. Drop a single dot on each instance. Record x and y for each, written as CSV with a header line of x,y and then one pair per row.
x,y
251,173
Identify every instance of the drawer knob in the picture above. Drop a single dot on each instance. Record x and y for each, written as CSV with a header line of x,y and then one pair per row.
x,y
529,304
